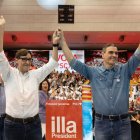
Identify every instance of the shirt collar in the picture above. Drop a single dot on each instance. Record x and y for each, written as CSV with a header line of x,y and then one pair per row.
x,y
23,75
103,69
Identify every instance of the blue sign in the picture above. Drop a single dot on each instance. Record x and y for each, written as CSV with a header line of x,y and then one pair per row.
x,y
87,120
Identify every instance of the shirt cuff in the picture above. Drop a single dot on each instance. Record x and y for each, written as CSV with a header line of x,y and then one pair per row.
x,y
53,62
137,53
72,62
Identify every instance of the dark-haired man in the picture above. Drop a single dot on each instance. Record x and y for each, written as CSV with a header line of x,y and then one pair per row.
x,y
110,86
21,89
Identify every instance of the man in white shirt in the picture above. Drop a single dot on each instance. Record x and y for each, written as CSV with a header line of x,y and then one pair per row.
x,y
21,89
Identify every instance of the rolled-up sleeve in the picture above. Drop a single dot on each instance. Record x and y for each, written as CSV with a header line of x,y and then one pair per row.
x,y
52,63
137,53
82,68
42,72
72,62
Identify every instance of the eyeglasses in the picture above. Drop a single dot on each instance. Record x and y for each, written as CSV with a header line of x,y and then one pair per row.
x,y
113,52
25,59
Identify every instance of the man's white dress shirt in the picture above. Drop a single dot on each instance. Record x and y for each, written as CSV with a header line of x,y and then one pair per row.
x,y
21,90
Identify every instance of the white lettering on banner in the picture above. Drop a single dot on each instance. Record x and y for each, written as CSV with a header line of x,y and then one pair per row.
x,y
63,129
63,135
71,128
58,104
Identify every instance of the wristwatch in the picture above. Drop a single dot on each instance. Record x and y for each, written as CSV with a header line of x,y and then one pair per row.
x,y
56,45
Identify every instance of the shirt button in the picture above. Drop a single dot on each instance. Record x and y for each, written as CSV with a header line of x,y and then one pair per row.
x,y
110,97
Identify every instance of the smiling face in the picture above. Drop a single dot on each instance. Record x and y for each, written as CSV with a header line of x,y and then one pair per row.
x,y
110,56
24,63
45,86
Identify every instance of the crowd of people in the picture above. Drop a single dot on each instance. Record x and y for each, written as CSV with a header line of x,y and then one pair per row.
x,y
65,86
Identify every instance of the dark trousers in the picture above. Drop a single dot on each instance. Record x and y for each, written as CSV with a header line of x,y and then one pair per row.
x,y
20,131
1,127
44,138
112,130
135,129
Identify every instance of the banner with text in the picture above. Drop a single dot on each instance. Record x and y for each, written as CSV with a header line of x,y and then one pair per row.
x,y
64,120
63,63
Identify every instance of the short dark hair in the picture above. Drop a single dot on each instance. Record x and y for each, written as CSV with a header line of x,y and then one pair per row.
x,y
22,52
108,45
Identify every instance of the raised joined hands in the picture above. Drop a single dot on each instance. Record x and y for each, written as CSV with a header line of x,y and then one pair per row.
x,y
57,36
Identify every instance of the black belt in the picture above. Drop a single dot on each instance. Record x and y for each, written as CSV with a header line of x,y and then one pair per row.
x,y
2,115
111,117
24,121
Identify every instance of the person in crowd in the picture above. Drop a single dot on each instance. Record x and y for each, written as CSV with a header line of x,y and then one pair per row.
x,y
21,89
2,108
135,125
137,103
44,87
131,106
110,87
138,90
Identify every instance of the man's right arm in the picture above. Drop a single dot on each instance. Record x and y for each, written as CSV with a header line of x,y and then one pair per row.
x,y
2,22
4,64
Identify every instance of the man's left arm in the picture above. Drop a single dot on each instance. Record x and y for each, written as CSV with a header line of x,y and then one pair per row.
x,y
133,62
137,52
